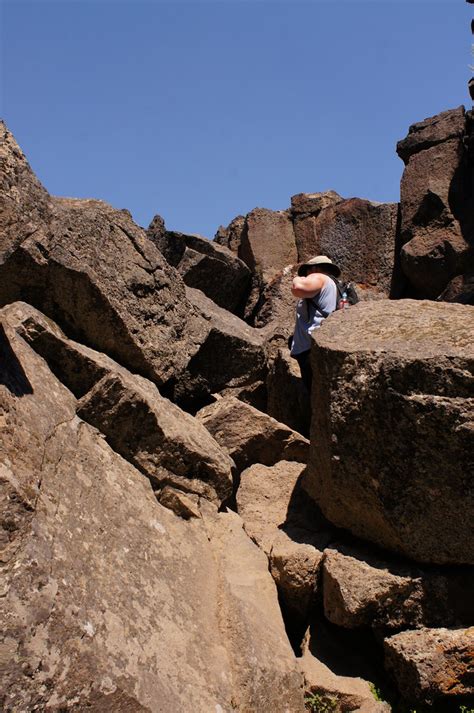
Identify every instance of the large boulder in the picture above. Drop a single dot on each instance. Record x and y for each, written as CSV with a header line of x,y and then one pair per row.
x,y
358,235
93,270
163,442
361,588
437,228
250,436
206,265
265,241
392,433
432,665
232,355
103,607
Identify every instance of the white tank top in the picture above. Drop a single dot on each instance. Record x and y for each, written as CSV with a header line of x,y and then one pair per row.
x,y
310,315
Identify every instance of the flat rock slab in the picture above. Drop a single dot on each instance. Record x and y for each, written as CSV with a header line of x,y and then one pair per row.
x,y
393,436
432,664
250,436
109,601
360,589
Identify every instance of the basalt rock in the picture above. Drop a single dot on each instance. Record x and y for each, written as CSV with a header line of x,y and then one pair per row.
x,y
288,400
103,607
163,442
265,241
250,436
93,270
358,235
276,517
24,203
231,356
207,266
389,378
313,203
432,665
361,588
437,227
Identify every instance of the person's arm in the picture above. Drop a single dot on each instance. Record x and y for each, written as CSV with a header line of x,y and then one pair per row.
x,y
309,286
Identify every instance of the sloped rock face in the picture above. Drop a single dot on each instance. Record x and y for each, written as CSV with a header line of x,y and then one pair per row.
x,y
232,355
432,664
92,270
250,436
24,203
390,377
163,442
206,266
95,608
437,229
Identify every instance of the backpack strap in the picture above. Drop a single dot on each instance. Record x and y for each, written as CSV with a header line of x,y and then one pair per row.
x,y
323,313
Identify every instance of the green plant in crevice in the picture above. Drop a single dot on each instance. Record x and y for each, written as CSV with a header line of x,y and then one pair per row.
x,y
376,692
315,703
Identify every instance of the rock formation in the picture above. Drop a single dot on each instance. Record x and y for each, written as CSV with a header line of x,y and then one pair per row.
x,y
393,384
437,229
171,539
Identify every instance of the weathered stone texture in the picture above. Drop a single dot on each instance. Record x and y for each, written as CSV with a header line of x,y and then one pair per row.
x,y
314,203
432,664
93,270
103,606
24,203
162,441
232,355
437,226
278,519
207,266
361,588
268,243
390,377
359,236
165,443
250,436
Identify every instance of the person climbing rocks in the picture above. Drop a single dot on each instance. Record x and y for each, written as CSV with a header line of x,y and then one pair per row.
x,y
317,295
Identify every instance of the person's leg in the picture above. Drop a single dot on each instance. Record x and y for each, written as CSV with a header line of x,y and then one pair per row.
x,y
304,362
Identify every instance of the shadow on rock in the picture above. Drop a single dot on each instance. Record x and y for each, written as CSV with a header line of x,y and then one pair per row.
x,y
12,374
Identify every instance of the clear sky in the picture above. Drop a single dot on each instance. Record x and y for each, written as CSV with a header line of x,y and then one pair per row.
x,y
202,110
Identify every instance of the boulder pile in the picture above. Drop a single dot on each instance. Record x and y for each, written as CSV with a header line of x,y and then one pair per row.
x,y
174,533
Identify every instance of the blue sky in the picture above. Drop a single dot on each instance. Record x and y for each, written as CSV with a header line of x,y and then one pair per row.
x,y
203,110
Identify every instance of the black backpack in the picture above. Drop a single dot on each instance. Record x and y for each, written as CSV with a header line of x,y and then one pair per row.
x,y
342,287
349,289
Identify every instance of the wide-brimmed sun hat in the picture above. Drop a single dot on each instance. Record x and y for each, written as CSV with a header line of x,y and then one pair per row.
x,y
322,260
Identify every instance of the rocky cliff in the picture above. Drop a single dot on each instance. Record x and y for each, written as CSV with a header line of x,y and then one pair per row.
x,y
174,534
